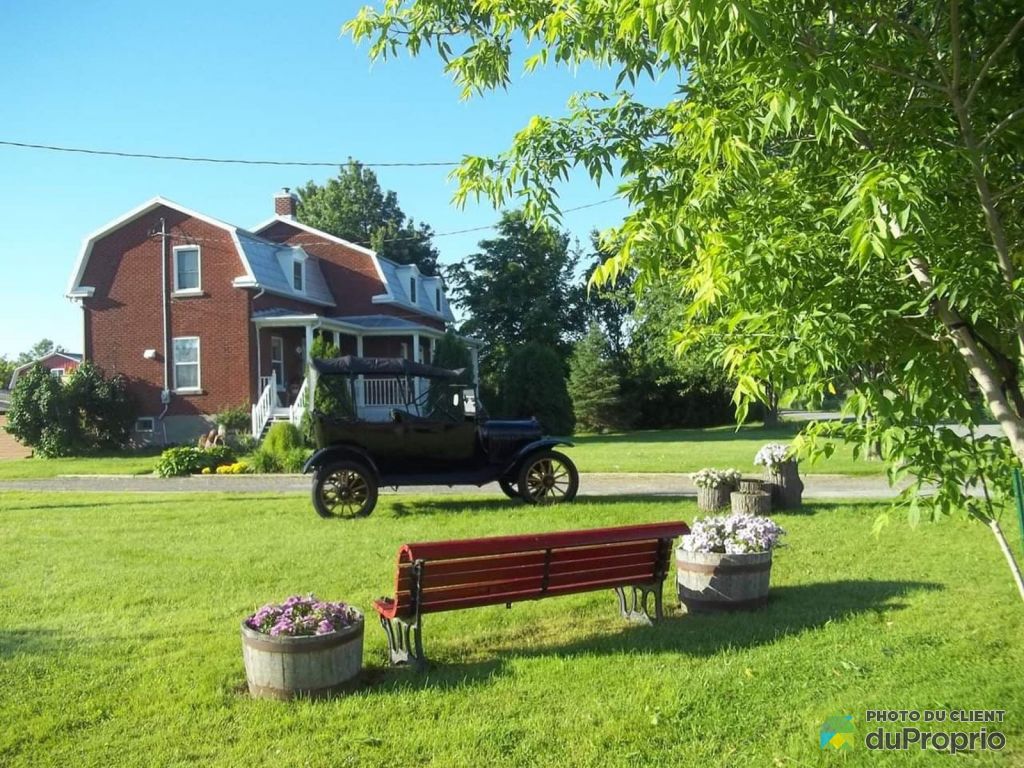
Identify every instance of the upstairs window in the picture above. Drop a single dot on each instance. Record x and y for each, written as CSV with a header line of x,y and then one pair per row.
x,y
299,275
437,298
412,289
186,269
57,373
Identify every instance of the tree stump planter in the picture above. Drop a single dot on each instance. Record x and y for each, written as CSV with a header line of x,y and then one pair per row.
x,y
315,667
759,503
709,582
784,483
714,498
751,485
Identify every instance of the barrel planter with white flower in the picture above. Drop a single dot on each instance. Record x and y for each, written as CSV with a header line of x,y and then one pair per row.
x,y
303,647
714,487
724,564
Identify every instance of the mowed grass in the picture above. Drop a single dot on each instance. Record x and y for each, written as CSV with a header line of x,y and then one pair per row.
x,y
119,641
670,450
37,468
688,450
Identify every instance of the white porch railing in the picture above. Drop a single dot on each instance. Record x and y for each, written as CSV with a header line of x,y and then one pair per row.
x,y
389,392
296,409
264,407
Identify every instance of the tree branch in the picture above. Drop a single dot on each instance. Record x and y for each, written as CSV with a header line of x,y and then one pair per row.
x,y
1000,125
954,31
992,58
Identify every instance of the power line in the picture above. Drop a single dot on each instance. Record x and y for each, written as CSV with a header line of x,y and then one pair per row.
x,y
221,160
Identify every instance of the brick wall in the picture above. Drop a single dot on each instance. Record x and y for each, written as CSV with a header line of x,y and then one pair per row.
x,y
124,317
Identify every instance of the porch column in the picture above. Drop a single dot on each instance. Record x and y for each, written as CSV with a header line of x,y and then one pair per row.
x,y
360,381
474,354
416,358
259,364
337,339
310,373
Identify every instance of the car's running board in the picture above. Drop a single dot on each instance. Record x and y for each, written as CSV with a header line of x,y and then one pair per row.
x,y
470,477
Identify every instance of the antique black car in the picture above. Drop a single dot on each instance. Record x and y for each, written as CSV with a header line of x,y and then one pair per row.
x,y
440,437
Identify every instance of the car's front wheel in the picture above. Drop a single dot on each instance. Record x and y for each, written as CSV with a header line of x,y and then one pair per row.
x,y
548,477
344,489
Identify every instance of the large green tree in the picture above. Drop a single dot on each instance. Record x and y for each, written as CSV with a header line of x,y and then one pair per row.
x,y
40,349
520,287
354,207
837,183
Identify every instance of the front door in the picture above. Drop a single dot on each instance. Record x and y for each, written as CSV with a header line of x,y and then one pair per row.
x,y
277,360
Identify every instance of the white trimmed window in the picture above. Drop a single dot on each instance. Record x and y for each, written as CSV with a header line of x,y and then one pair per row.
x,y
299,275
186,364
412,290
186,269
144,424
57,373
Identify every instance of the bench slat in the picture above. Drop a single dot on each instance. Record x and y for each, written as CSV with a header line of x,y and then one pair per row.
x,y
496,545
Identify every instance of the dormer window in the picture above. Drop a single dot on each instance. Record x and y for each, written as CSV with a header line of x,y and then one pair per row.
x,y
437,298
186,270
412,290
299,275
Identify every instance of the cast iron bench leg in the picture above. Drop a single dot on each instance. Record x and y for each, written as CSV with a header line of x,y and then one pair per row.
x,y
634,608
405,641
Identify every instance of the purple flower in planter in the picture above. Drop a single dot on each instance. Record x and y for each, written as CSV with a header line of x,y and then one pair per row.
x,y
300,616
736,534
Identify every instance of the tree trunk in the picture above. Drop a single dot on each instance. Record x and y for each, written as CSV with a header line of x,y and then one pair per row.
x,y
1008,554
771,408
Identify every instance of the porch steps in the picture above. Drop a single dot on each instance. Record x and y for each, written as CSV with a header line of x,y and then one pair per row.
x,y
278,414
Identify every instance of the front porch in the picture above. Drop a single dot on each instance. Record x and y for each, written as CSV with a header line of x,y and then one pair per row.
x,y
283,377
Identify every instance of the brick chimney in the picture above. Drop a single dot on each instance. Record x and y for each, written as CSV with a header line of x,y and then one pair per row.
x,y
284,203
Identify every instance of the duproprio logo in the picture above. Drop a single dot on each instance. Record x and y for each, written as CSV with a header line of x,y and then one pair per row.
x,y
837,733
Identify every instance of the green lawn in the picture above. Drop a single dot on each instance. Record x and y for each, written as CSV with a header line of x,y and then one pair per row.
x,y
671,450
130,464
687,450
119,641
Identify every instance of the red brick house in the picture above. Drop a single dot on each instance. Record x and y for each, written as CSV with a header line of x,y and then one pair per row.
x,y
59,364
200,315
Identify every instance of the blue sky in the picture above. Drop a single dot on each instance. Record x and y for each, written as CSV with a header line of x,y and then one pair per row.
x,y
226,79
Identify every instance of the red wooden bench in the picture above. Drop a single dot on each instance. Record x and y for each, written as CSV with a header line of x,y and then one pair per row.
x,y
451,575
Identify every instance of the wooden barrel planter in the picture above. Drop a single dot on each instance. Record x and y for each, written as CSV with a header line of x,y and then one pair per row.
x,y
711,582
316,666
757,503
784,483
714,498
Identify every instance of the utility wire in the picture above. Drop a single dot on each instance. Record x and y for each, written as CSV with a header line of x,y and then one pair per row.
x,y
221,160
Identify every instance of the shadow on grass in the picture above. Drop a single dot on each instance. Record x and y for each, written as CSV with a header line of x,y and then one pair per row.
x,y
28,641
502,504
791,610
132,500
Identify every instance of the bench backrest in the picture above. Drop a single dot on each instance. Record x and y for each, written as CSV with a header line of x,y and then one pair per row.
x,y
507,569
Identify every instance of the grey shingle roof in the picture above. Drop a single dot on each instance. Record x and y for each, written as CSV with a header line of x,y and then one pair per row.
x,y
398,276
271,267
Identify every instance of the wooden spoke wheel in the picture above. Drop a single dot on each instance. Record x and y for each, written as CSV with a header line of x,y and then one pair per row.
x,y
508,487
548,477
345,489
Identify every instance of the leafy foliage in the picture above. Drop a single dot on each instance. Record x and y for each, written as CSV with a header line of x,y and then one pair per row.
x,y
189,460
333,395
535,386
84,414
234,419
7,367
833,195
520,286
593,383
353,206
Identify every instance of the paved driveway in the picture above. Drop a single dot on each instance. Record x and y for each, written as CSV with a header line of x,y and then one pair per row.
x,y
604,484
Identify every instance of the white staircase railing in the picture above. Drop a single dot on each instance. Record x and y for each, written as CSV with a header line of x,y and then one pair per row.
x,y
296,409
264,407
